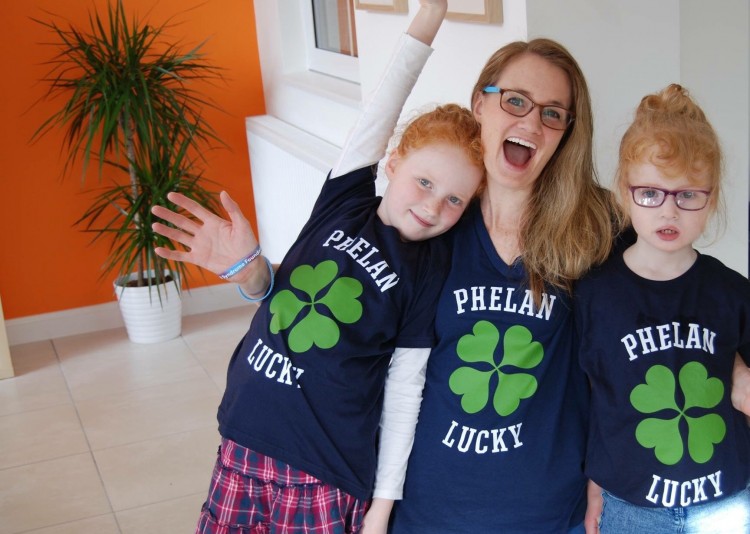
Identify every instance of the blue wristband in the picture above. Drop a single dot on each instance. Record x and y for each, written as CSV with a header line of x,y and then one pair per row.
x,y
270,286
244,262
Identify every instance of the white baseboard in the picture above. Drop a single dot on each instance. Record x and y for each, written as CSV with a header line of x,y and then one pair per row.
x,y
106,316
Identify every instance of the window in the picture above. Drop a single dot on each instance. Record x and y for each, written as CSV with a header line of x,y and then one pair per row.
x,y
331,38
334,26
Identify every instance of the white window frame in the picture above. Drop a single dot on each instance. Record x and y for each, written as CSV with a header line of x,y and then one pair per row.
x,y
323,61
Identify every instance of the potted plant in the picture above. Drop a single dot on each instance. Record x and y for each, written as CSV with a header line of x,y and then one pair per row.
x,y
129,103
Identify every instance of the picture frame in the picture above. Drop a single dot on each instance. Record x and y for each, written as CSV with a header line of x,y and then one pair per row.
x,y
485,11
393,6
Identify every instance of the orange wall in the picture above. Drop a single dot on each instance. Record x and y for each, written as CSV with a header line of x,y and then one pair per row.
x,y
46,264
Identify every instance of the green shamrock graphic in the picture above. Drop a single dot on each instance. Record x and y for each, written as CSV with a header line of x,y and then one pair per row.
x,y
664,435
315,328
472,383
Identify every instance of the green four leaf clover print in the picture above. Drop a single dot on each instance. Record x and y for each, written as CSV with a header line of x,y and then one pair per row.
x,y
473,382
665,435
341,300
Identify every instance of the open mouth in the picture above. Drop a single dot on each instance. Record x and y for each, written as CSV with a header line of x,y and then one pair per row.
x,y
517,151
668,231
668,234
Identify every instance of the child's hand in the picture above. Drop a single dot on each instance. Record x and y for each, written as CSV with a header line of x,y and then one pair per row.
x,y
593,508
376,518
426,23
741,386
212,242
437,3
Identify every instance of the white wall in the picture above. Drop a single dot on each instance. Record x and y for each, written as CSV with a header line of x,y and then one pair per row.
x,y
321,105
715,46
625,48
629,49
460,51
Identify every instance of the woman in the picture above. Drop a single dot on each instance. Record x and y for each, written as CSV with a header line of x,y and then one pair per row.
x,y
500,439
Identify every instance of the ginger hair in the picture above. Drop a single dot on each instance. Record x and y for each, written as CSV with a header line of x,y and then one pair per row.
x,y
671,132
449,123
570,221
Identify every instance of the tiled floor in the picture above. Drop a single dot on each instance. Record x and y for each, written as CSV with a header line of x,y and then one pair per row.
x,y
99,435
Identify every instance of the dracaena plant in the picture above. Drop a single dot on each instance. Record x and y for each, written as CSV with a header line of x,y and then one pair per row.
x,y
130,105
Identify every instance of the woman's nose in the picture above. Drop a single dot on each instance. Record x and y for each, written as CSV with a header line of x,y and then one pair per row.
x,y
532,121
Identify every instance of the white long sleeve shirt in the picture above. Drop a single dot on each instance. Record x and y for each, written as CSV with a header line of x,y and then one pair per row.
x,y
366,144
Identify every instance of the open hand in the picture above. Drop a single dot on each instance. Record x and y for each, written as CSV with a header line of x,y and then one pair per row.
x,y
212,242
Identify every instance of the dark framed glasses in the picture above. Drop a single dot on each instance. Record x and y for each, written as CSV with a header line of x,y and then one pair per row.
x,y
686,199
520,105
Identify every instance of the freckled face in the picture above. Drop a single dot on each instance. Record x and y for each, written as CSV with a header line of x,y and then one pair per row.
x,y
428,190
516,149
665,228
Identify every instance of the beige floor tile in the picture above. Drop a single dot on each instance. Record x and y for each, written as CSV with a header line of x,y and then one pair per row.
x,y
147,411
40,435
38,382
92,368
215,364
215,325
151,412
213,338
103,524
158,470
49,493
177,516
114,339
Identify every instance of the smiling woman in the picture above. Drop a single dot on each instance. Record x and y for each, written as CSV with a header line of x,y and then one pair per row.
x,y
503,373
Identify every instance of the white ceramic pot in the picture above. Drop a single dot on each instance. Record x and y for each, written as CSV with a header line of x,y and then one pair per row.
x,y
150,316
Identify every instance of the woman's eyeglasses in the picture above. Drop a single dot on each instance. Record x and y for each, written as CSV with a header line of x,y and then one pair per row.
x,y
686,199
520,105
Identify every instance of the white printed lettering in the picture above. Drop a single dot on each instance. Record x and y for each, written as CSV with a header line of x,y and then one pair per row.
x,y
335,236
271,364
477,298
478,440
687,492
715,479
483,298
666,336
462,297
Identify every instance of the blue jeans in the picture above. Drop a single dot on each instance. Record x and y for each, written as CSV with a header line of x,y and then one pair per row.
x,y
730,515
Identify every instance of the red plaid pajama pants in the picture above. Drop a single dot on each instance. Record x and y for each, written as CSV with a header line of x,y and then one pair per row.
x,y
253,494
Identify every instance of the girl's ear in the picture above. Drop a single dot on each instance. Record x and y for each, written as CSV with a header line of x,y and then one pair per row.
x,y
390,166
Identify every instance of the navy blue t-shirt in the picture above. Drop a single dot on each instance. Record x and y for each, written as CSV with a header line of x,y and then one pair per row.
x,y
659,355
499,446
305,385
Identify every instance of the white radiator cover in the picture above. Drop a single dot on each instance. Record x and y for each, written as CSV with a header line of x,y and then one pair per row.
x,y
288,169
